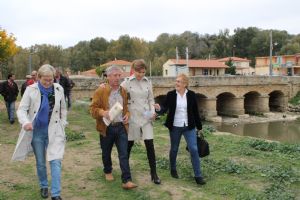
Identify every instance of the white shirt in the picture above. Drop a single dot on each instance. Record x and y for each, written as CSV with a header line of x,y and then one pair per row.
x,y
181,118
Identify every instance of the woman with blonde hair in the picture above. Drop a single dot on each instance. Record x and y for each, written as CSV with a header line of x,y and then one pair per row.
x,y
42,113
182,119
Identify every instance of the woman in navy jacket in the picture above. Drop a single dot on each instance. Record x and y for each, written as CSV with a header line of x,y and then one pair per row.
x,y
182,119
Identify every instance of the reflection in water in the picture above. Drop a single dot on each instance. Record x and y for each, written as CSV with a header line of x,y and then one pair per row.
x,y
284,131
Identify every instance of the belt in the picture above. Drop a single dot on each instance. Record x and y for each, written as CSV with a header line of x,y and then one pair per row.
x,y
116,124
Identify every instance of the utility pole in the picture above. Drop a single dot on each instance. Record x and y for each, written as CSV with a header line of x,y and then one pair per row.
x,y
30,63
177,57
150,70
187,57
271,48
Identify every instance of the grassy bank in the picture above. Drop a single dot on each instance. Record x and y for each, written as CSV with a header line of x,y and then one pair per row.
x,y
238,167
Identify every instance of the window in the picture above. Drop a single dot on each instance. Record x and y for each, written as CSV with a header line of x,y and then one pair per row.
x,y
166,72
205,72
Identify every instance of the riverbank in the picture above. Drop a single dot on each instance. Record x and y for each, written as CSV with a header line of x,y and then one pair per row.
x,y
266,117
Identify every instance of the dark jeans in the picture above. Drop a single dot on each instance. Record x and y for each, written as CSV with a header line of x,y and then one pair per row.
x,y
10,106
115,135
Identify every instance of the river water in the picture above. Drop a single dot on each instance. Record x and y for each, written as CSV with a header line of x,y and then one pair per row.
x,y
283,131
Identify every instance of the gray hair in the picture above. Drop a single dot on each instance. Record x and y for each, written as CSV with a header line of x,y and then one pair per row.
x,y
113,68
46,70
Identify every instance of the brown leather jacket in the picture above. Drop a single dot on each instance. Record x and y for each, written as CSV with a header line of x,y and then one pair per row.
x,y
100,104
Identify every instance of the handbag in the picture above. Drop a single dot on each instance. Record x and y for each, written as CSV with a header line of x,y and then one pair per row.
x,y
202,144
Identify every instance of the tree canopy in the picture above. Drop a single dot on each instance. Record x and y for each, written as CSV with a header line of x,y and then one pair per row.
x,y
244,42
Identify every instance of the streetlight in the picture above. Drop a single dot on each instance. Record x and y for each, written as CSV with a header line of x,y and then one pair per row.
x,y
271,50
233,48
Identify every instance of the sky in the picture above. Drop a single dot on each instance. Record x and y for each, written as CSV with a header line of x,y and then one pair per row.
x,y
66,22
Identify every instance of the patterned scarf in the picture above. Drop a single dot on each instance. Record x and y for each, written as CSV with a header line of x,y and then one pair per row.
x,y
42,117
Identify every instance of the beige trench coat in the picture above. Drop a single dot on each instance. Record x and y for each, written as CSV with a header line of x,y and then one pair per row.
x,y
140,100
27,111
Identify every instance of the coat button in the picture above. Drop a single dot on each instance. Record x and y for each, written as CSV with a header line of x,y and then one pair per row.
x,y
56,111
34,112
55,121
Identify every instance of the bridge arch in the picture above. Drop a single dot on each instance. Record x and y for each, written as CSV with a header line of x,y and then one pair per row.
x,y
252,102
202,105
225,104
277,101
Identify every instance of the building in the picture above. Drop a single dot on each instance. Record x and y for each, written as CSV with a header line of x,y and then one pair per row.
x,y
174,67
123,64
242,65
285,65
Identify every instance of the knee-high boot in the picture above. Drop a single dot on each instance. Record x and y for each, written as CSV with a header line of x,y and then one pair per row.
x,y
152,160
129,147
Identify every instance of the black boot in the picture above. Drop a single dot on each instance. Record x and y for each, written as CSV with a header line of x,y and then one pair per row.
x,y
152,161
129,147
174,174
200,181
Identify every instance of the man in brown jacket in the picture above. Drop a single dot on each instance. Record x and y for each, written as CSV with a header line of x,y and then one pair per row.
x,y
116,131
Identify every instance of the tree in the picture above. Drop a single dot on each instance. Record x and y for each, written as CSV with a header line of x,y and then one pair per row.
x,y
231,70
8,48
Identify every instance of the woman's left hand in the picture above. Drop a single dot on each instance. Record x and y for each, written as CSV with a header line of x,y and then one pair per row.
x,y
153,117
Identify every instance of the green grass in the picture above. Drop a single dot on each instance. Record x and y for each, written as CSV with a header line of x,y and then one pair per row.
x,y
237,168
295,100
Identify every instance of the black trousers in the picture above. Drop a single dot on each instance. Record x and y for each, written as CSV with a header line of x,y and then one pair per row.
x,y
150,153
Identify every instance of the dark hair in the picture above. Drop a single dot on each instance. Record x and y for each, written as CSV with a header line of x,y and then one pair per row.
x,y
138,64
9,75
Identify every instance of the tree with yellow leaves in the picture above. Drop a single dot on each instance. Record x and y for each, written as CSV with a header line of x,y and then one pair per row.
x,y
8,48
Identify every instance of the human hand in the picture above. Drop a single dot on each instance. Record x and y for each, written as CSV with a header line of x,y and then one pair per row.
x,y
153,117
28,127
106,115
102,85
125,119
157,106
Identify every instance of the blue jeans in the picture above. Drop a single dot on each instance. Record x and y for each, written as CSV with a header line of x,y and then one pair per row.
x,y
191,140
10,106
115,135
39,144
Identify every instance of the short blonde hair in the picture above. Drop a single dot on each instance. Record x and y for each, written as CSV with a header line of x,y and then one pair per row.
x,y
46,70
185,79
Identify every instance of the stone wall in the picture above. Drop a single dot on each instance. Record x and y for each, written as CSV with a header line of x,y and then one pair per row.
x,y
84,87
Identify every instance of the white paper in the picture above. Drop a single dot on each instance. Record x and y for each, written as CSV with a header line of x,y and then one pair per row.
x,y
113,112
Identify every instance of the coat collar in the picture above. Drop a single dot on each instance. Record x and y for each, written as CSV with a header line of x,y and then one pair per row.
x,y
132,77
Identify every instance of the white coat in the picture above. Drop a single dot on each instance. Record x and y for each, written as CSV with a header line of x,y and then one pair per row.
x,y
26,113
141,101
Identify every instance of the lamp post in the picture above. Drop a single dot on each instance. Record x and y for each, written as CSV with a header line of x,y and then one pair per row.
x,y
271,47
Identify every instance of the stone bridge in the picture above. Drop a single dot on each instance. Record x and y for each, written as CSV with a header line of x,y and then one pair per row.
x,y
235,96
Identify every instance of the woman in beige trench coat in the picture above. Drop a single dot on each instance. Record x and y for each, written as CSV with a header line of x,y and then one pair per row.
x,y
142,113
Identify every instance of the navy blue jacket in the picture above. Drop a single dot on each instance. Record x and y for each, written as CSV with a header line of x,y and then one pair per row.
x,y
169,106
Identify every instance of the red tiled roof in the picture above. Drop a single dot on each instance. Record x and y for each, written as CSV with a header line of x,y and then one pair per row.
x,y
233,59
201,63
91,72
117,62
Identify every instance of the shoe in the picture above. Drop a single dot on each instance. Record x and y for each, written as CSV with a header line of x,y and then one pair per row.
x,y
128,185
200,181
155,178
12,121
174,174
109,177
56,198
44,193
